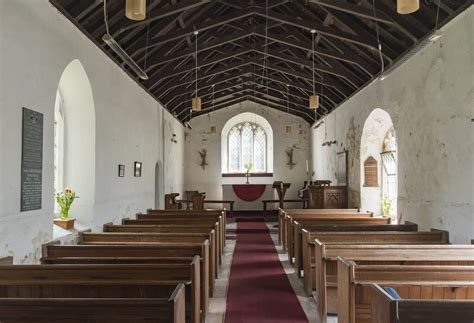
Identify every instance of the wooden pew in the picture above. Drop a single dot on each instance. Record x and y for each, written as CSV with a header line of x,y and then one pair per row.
x,y
109,238
354,292
368,237
386,309
325,273
183,222
104,281
141,252
328,219
198,214
95,310
283,212
6,260
289,217
309,228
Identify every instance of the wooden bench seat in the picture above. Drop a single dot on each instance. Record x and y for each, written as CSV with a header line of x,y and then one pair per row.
x,y
95,310
326,256
104,281
386,309
327,219
309,228
354,292
287,219
88,238
53,252
182,221
284,212
220,215
368,237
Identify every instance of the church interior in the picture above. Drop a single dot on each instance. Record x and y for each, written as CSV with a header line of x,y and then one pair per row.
x,y
242,161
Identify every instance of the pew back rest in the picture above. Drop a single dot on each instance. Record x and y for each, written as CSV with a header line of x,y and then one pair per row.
x,y
386,309
380,237
131,310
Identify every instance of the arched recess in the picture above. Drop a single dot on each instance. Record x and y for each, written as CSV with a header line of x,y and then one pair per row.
x,y
159,186
378,158
252,118
75,152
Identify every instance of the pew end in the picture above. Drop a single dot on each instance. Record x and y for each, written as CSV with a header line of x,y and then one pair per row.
x,y
106,226
44,247
386,309
6,260
445,234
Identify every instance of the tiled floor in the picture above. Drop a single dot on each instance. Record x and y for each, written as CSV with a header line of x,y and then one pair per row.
x,y
217,304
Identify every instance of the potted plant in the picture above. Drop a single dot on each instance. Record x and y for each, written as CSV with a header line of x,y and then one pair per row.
x,y
64,200
387,207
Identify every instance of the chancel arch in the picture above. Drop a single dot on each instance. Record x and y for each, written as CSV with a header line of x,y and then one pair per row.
x,y
75,140
379,146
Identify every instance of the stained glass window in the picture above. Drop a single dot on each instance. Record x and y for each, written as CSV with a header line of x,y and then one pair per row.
x,y
247,143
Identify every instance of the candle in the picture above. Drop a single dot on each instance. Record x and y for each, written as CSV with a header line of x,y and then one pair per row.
x,y
307,167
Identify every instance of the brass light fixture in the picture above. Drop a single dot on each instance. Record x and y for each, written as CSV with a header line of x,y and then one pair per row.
x,y
405,7
288,127
313,99
135,9
196,102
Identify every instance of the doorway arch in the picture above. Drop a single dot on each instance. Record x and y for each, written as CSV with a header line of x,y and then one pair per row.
x,y
378,158
75,153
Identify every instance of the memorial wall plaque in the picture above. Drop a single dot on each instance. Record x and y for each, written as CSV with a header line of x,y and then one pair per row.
x,y
31,160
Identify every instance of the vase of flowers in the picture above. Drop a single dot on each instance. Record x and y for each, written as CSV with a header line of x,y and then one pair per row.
x,y
64,200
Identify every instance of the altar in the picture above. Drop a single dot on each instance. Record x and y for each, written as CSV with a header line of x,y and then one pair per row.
x,y
247,197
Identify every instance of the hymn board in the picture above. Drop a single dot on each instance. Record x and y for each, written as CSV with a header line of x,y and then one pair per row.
x,y
31,160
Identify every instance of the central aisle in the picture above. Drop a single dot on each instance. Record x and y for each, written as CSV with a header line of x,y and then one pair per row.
x,y
259,290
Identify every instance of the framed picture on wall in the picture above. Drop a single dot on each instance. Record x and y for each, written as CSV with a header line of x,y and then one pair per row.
x,y
341,168
121,170
138,169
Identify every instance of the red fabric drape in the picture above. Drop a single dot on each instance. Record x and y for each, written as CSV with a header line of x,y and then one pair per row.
x,y
249,192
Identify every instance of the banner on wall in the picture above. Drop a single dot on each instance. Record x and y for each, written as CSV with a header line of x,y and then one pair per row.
x,y
31,160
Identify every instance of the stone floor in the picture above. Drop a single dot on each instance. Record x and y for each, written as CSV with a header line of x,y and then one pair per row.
x,y
217,304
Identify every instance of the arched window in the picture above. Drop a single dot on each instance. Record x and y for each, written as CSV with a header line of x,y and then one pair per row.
x,y
247,144
58,147
247,138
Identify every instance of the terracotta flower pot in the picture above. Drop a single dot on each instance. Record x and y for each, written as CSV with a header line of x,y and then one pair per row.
x,y
65,224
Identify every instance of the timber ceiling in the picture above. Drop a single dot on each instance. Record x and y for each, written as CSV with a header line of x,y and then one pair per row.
x,y
248,51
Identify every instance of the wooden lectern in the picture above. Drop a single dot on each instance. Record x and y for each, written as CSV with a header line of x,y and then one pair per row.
x,y
281,188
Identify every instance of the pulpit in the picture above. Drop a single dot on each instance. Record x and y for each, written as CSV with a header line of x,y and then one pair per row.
x,y
327,197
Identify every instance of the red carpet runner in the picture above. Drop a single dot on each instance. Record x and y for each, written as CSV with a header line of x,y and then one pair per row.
x,y
259,290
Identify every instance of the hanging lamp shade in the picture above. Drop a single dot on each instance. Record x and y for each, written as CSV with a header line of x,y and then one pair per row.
x,y
314,102
196,104
135,9
405,7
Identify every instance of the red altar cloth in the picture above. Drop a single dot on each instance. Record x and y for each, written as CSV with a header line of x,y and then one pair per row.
x,y
249,192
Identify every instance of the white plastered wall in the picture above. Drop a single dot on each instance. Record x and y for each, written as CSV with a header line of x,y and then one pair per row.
x,y
430,100
36,45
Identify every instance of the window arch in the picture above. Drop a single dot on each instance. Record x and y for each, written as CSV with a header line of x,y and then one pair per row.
x,y
247,144
247,137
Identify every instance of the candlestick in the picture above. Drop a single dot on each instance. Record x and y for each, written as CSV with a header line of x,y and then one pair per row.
x,y
307,167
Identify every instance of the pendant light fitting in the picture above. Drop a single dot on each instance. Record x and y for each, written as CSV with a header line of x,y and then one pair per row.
x,y
135,9
313,99
196,102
